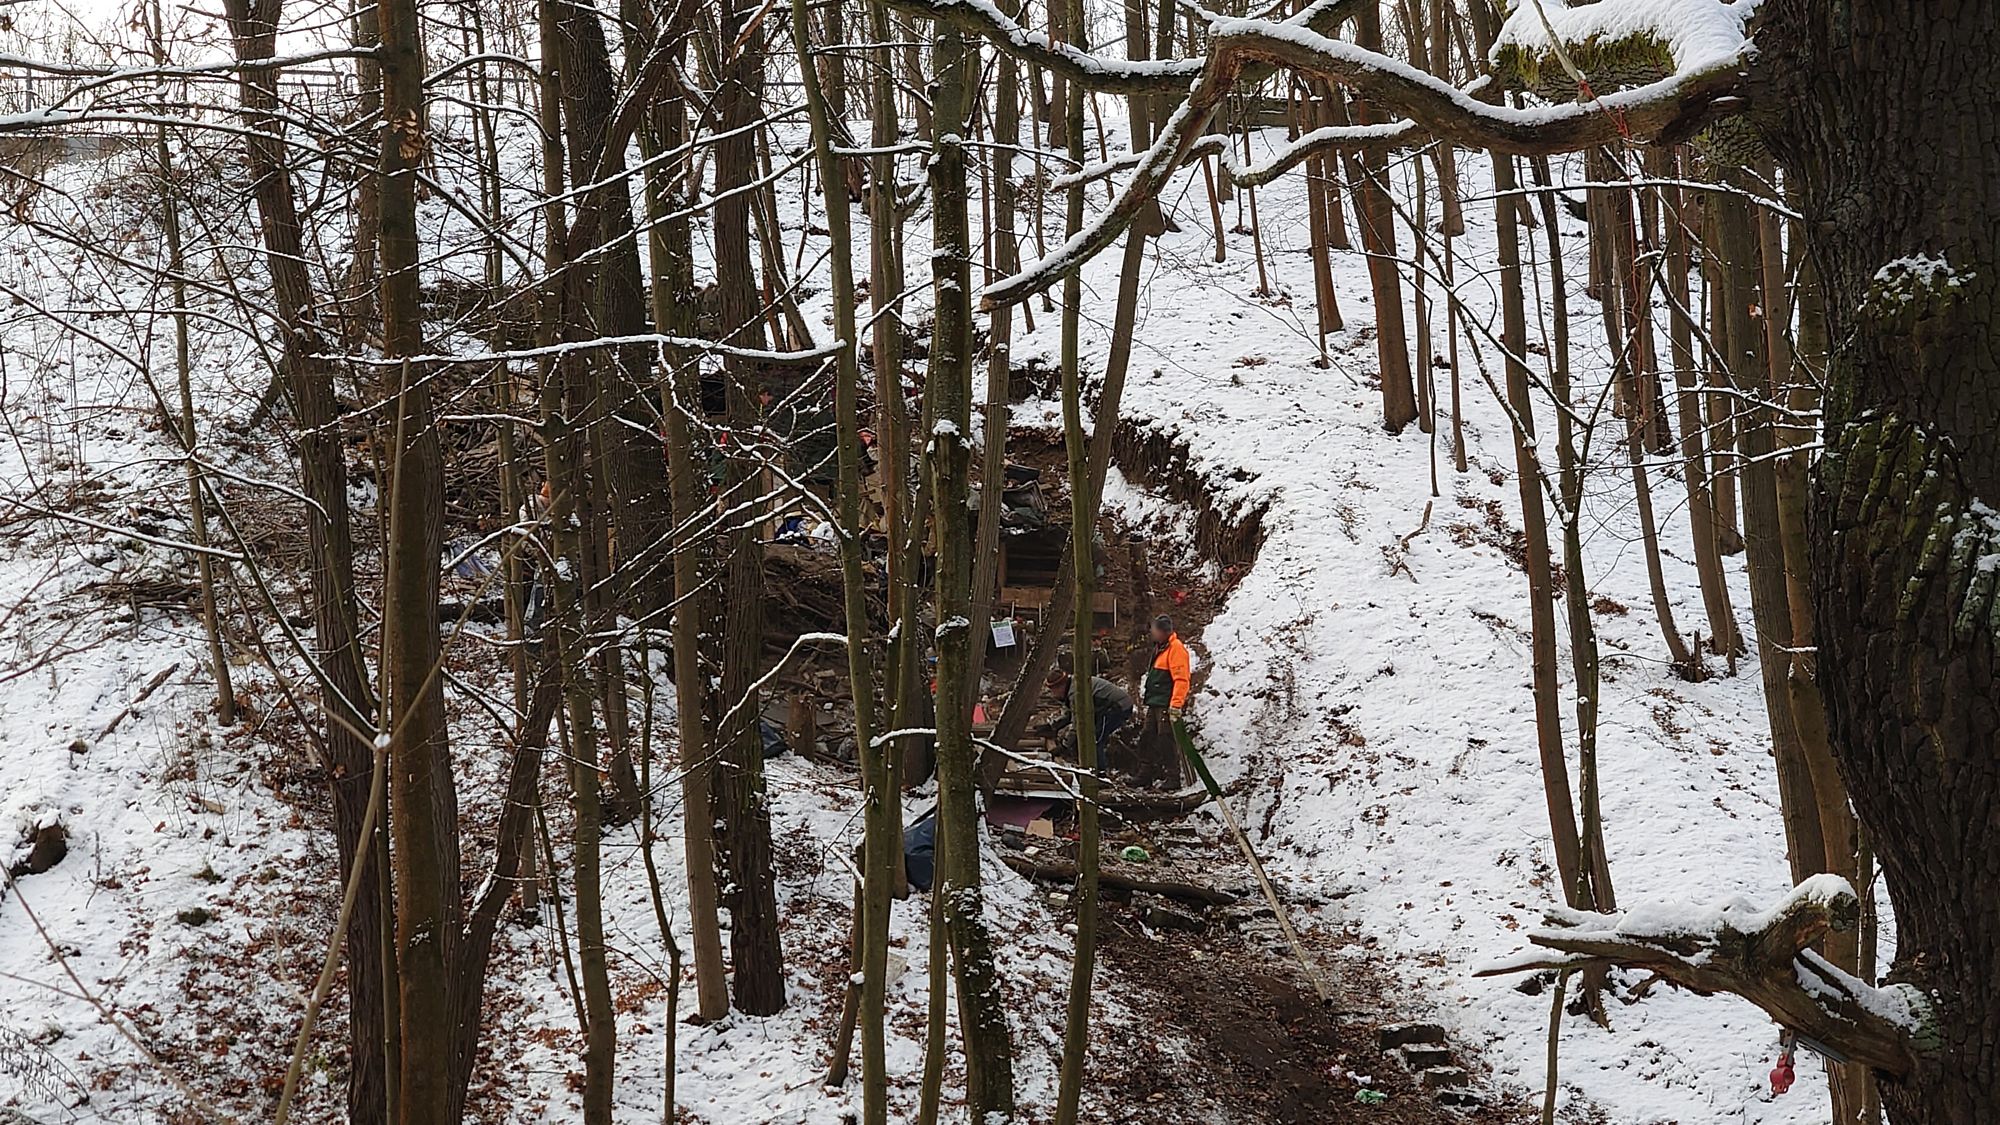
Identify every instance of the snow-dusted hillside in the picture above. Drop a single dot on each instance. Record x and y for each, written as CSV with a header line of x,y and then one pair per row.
x,y
1368,682
1377,694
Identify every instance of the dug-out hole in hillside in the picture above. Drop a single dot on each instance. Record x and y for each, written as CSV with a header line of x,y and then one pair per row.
x,y
1186,941
1176,548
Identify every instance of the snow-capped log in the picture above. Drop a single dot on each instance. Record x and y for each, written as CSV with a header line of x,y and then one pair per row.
x,y
1762,955
1545,47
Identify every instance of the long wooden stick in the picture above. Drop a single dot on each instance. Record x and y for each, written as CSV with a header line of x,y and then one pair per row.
x,y
1325,992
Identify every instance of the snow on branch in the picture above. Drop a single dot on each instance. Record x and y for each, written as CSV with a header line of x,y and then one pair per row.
x,y
1762,955
1352,139
1327,138
1545,44
1671,106
1095,72
807,357
135,74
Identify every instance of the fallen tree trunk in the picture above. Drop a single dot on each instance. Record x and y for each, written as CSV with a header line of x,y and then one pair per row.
x,y
1141,804
1064,871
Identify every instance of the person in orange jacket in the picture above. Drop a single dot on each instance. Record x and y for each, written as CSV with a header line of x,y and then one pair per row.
x,y
1167,681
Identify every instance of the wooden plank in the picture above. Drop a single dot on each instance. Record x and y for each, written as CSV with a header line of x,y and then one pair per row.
x,y
1033,597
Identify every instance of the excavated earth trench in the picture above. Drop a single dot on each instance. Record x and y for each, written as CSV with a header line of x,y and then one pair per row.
x,y
1215,1018
1229,1027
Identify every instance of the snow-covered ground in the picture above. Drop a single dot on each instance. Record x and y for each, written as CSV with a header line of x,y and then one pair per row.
x,y
1368,679
1370,675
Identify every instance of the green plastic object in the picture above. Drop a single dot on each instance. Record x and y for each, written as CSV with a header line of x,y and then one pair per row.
x,y
1370,1097
1193,756
1133,853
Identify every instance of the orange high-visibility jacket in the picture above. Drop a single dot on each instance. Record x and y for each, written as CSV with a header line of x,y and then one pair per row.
x,y
1167,683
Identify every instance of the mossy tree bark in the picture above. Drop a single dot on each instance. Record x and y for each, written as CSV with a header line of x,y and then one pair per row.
x,y
1889,135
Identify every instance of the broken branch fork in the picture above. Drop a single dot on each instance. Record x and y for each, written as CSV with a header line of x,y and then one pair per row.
x,y
1763,956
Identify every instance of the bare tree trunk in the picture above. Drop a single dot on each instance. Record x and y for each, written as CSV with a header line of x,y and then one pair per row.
x,y
742,810
569,403
1628,323
922,111
422,792
999,363
1792,393
1083,568
670,247
347,706
937,967
1323,211
1534,523
989,1052
1444,13
1332,111
1459,461
1719,407
609,300
1594,890
885,295
1375,212
656,891
1724,637
170,227
513,845
363,275
1421,306
513,501
600,1050
880,843
1747,363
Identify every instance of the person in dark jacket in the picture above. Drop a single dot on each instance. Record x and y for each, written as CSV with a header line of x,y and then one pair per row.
x,y
1110,705
804,432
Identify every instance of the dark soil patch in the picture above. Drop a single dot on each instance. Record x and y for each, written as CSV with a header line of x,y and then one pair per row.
x,y
1261,1047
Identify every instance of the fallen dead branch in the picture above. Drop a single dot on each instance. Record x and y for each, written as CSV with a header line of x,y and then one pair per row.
x,y
1762,955
1064,871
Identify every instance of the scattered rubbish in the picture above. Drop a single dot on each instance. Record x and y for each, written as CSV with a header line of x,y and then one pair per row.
x,y
1133,853
1370,1097
1782,1075
1019,812
464,558
773,738
791,529
920,850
